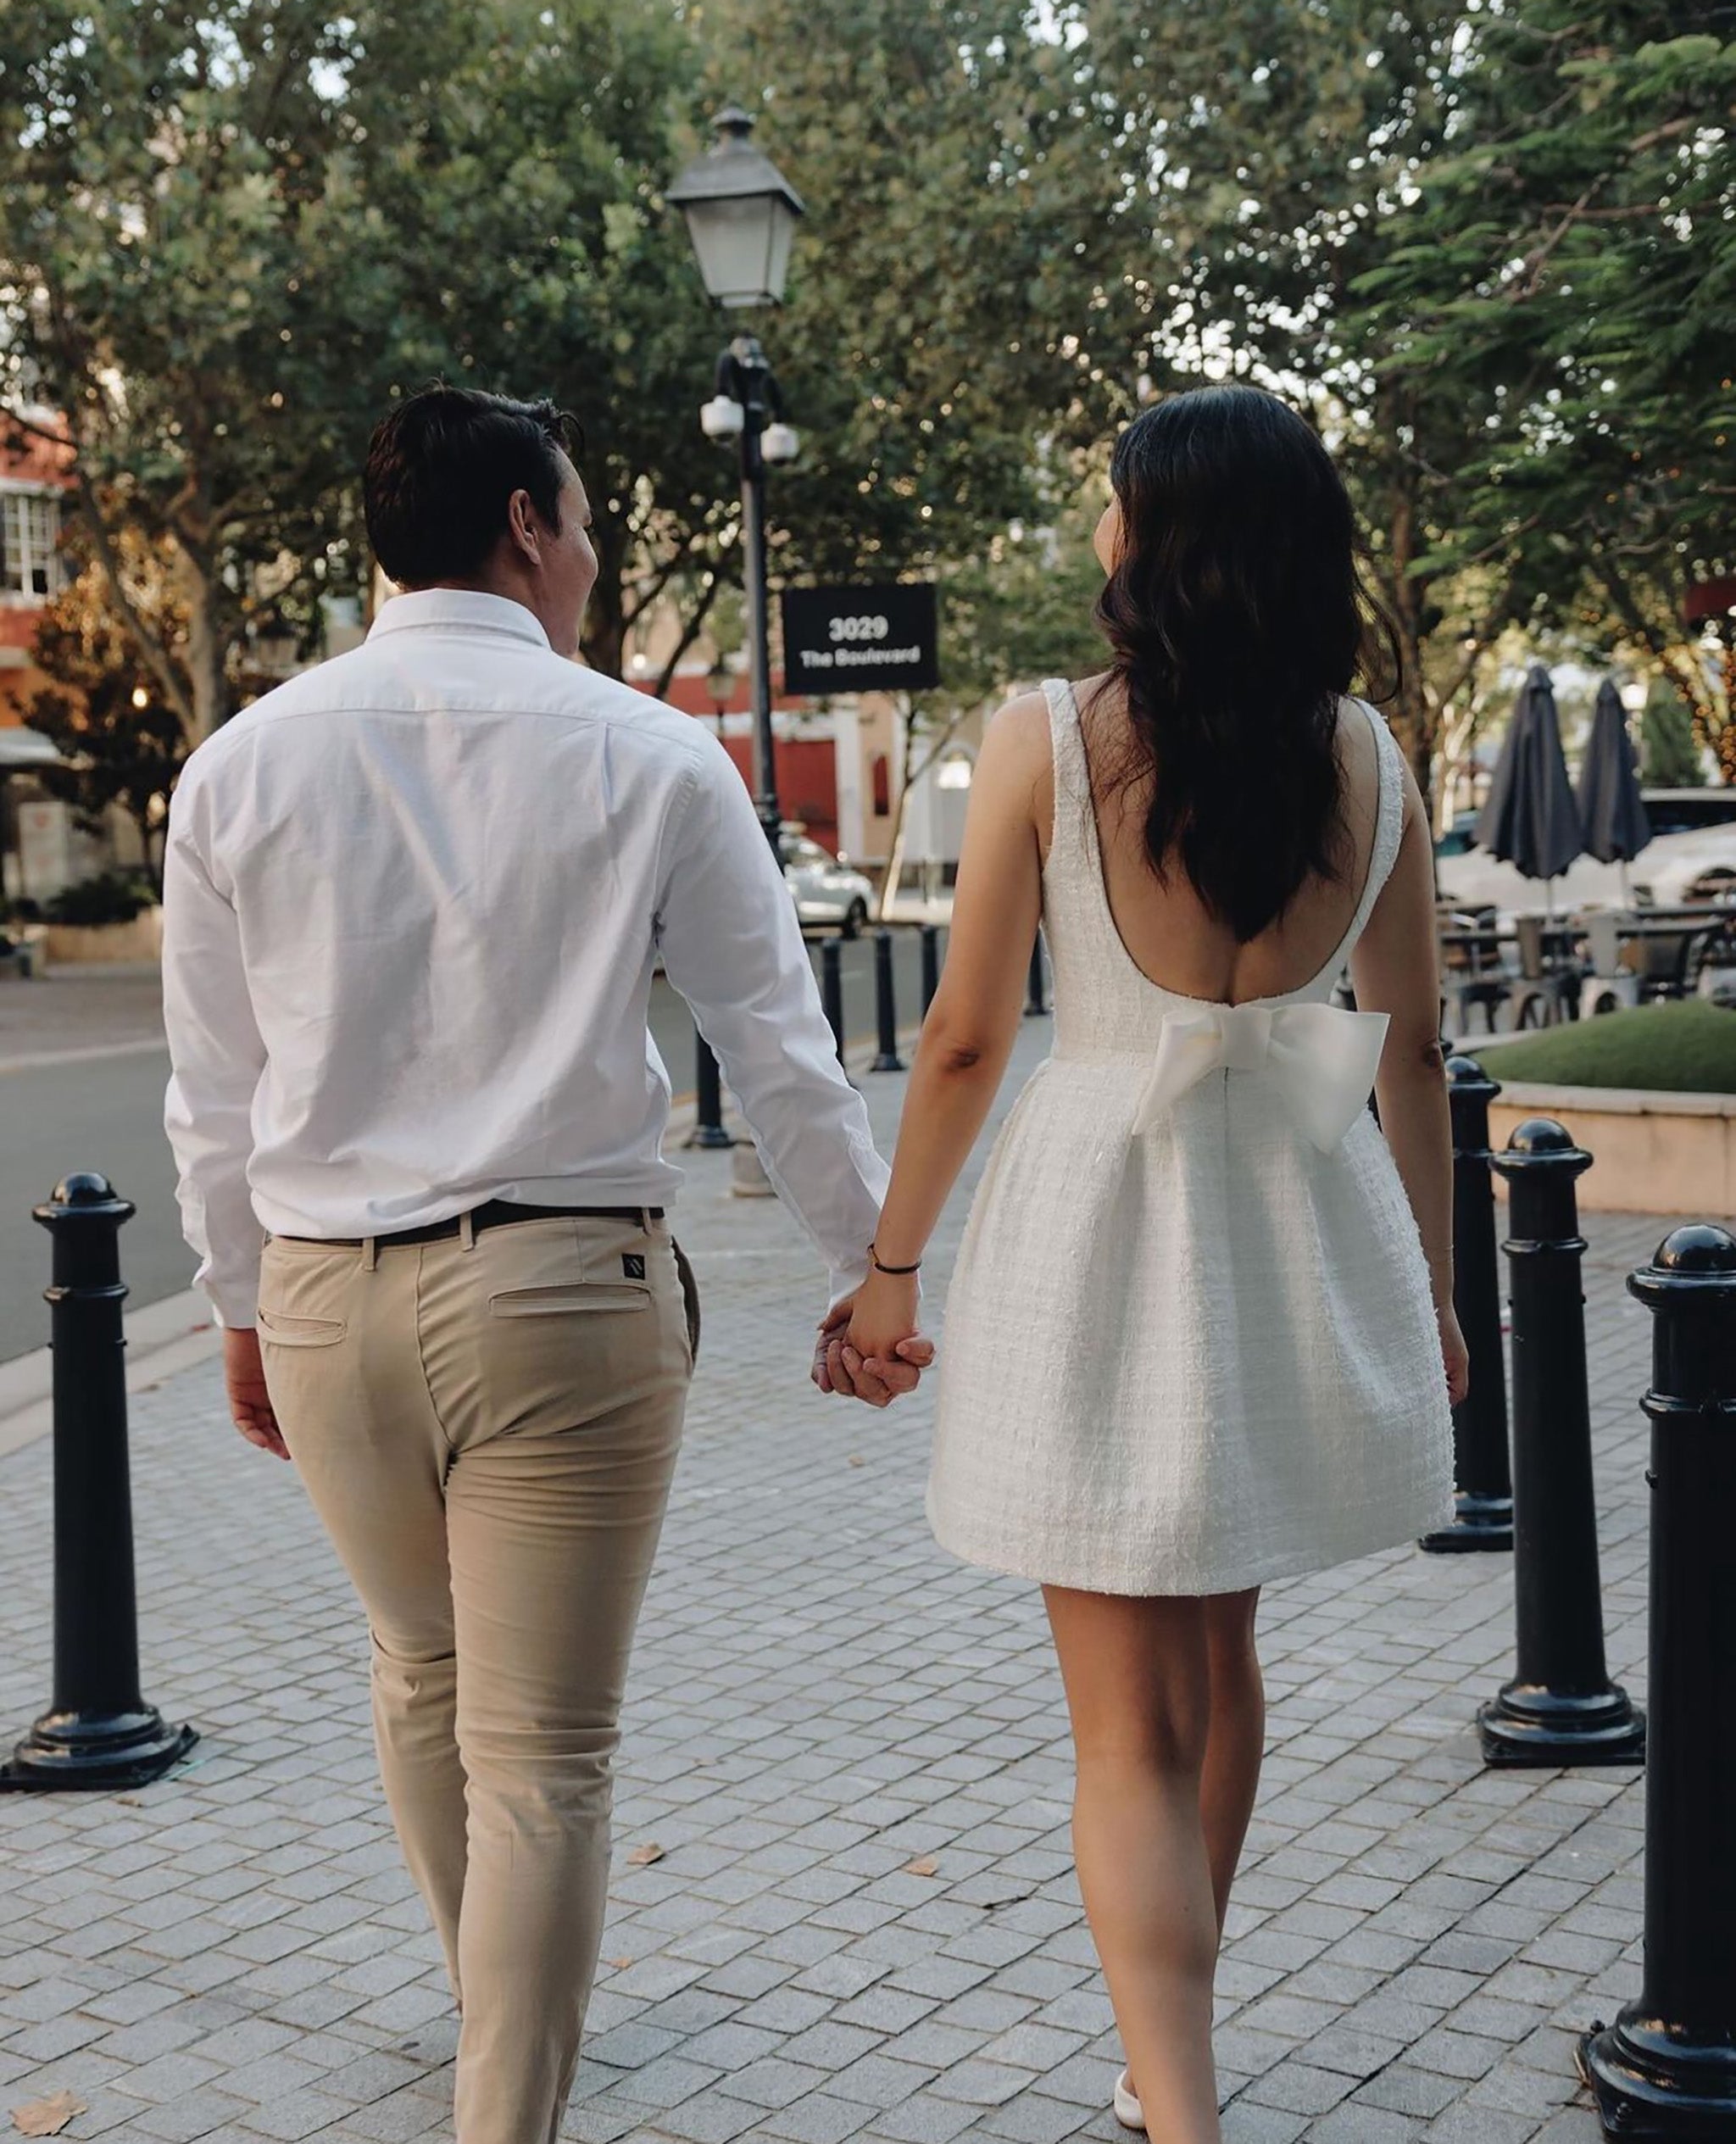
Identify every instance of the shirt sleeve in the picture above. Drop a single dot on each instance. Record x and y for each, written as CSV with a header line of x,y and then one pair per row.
x,y
215,1058
732,946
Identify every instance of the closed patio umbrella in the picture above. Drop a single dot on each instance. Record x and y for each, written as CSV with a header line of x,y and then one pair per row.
x,y
1610,808
1531,820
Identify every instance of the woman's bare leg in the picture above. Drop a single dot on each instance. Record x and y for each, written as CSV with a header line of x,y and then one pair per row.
x,y
1235,1739
1137,1679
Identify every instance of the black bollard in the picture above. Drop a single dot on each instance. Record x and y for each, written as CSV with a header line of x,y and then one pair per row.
x,y
98,1731
1667,2068
832,990
708,1088
1034,1005
1561,1706
930,965
885,1005
1482,1486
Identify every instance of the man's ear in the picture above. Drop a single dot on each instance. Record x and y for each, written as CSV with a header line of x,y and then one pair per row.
x,y
521,527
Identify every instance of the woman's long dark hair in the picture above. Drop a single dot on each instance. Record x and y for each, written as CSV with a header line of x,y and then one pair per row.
x,y
1237,615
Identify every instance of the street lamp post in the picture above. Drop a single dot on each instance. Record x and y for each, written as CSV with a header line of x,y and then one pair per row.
x,y
721,683
740,214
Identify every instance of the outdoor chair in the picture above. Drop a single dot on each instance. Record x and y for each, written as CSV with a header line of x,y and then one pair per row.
x,y
1609,987
1547,989
1667,967
1472,974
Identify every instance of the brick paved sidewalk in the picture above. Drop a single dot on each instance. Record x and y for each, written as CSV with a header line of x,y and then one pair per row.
x,y
823,1706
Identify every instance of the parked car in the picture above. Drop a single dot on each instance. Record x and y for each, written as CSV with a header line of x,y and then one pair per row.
x,y
826,890
1691,856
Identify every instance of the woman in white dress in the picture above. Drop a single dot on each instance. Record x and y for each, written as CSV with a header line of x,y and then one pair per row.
x,y
1200,1333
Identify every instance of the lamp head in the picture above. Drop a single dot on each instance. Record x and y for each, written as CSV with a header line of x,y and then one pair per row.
x,y
740,214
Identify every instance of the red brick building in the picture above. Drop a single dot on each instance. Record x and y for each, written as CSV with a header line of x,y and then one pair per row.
x,y
34,477
806,765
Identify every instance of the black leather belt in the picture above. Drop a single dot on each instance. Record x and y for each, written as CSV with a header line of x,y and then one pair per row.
x,y
497,1213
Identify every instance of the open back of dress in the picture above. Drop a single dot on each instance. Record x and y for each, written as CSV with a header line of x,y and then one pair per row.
x,y
1189,1344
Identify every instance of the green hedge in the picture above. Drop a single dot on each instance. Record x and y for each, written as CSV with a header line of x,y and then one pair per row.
x,y
115,897
1689,1047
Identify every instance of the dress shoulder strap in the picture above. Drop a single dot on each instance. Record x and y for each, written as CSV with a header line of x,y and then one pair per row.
x,y
1389,815
1072,838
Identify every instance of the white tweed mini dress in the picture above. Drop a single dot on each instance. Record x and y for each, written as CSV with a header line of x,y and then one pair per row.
x,y
1189,1341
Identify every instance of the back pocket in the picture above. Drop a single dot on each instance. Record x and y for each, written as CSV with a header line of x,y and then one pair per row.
x,y
570,1299
300,1332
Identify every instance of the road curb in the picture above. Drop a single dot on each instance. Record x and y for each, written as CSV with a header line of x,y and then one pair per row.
x,y
92,1053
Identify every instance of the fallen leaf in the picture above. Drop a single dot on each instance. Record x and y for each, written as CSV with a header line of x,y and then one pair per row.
x,y
47,2117
643,1857
620,1964
924,1865
856,1460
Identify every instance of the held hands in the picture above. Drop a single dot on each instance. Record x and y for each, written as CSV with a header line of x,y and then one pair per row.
x,y
869,1346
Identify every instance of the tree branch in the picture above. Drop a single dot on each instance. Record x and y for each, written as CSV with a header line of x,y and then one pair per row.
x,y
153,651
19,423
661,578
1534,265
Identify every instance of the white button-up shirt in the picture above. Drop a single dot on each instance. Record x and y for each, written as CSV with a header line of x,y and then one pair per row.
x,y
412,902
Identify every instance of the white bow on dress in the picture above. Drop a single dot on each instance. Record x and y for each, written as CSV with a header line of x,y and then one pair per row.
x,y
1322,1058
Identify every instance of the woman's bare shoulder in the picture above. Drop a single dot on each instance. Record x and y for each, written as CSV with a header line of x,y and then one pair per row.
x,y
1017,732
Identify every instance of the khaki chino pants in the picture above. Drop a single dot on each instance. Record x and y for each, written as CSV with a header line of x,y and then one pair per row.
x,y
487,1426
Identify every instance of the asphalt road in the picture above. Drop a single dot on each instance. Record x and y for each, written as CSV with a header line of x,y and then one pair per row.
x,y
106,1114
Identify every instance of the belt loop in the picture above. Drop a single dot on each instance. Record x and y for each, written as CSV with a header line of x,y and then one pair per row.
x,y
467,1231
370,1253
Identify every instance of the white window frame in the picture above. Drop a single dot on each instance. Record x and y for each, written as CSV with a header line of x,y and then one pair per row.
x,y
29,541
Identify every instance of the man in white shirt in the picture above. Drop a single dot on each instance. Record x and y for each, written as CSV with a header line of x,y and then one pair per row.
x,y
413,901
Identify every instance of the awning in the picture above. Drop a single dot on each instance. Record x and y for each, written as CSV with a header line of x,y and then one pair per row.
x,y
23,747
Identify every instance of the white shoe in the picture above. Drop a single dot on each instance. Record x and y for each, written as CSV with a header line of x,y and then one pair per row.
x,y
1128,2110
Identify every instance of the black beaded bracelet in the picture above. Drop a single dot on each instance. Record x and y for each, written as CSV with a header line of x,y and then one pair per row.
x,y
874,1261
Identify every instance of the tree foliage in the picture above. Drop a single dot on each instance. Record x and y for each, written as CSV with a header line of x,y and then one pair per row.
x,y
122,740
1492,250
1267,154
1567,268
188,277
1669,752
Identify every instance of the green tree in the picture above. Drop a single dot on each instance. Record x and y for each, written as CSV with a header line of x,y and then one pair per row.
x,y
188,276
520,177
1267,153
1567,267
323,208
938,344
1669,751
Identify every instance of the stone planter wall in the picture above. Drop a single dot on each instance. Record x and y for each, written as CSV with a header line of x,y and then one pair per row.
x,y
142,939
1655,1152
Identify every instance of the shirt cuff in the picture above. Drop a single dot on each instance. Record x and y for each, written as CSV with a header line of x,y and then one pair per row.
x,y
235,1303
845,1281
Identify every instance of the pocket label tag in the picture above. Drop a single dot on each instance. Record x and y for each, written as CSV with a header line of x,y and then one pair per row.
x,y
632,1264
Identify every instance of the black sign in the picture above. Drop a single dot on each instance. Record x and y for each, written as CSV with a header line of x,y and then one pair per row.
x,y
860,640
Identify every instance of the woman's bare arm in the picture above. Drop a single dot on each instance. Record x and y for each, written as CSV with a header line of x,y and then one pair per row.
x,y
968,1034
1393,969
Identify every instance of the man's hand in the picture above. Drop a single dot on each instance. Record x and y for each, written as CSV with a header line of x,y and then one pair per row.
x,y
250,1403
838,1367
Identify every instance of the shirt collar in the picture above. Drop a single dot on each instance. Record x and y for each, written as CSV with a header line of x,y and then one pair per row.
x,y
468,609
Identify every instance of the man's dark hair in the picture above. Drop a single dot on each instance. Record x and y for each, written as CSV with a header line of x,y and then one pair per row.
x,y
441,470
